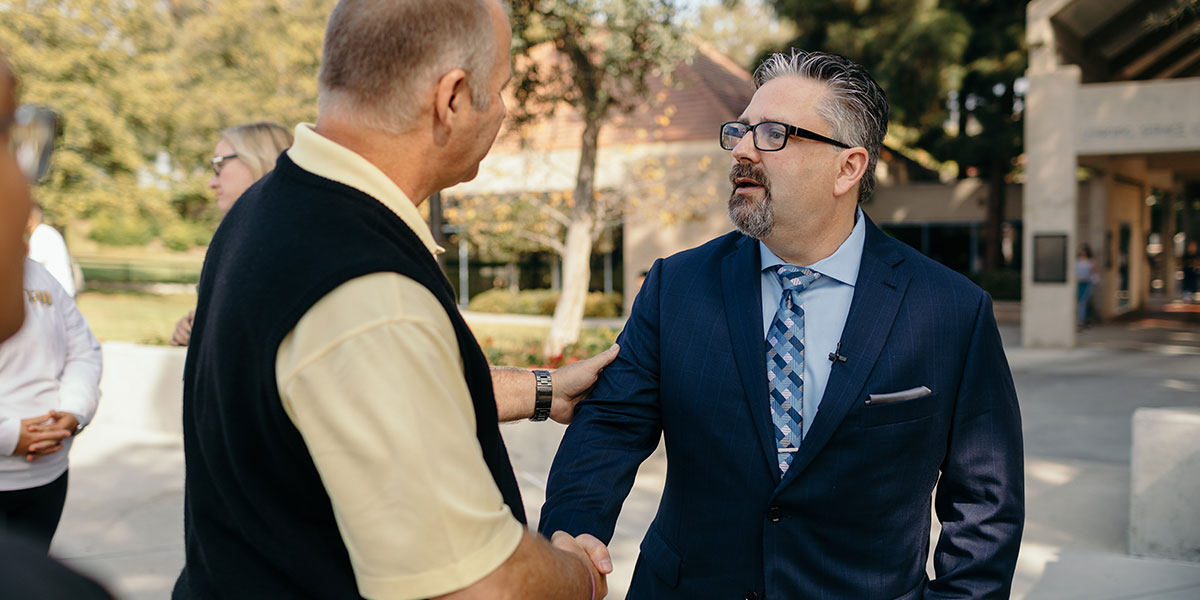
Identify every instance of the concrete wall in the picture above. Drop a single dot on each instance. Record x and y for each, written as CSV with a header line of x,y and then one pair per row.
x,y
1050,204
142,387
1164,521
962,201
1138,116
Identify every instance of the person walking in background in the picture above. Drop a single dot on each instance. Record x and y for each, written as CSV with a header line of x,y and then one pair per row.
x,y
49,389
340,422
1086,277
813,379
1191,271
243,155
48,248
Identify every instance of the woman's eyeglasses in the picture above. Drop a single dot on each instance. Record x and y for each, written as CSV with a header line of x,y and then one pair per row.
x,y
218,162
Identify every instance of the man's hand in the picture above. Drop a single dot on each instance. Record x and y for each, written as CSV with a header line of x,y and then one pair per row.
x,y
590,550
43,434
574,382
183,330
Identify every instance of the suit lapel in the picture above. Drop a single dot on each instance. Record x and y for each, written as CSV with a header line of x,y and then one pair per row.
x,y
877,295
742,288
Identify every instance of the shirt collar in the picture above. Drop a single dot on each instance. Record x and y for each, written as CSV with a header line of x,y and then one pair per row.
x,y
842,265
323,157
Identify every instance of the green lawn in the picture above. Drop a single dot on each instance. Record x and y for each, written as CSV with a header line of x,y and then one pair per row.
x,y
133,316
150,318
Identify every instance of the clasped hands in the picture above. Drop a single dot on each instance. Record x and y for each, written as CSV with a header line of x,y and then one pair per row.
x,y
44,434
594,555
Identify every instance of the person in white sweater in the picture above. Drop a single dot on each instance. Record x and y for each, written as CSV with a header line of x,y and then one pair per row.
x,y
48,248
49,389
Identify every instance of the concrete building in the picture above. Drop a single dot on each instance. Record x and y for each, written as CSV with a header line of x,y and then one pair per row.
x,y
1112,138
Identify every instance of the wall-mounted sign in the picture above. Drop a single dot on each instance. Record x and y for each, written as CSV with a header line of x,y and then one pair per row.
x,y
1050,258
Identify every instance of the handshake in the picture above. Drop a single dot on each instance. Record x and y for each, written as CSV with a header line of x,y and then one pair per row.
x,y
592,553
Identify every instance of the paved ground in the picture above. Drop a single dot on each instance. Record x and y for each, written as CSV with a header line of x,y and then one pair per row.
x,y
123,516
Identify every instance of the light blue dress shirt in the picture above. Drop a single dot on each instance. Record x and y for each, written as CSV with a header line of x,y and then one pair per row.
x,y
826,305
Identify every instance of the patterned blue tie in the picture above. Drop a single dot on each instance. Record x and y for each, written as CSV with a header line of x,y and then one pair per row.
x,y
785,362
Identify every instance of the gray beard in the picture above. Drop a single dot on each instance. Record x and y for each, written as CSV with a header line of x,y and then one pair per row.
x,y
754,219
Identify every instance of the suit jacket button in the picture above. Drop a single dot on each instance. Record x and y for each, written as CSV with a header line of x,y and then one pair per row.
x,y
751,596
774,514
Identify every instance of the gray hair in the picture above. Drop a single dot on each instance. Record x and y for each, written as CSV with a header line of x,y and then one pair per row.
x,y
856,109
381,56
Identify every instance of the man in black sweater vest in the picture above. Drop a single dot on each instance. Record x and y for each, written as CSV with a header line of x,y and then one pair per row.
x,y
340,421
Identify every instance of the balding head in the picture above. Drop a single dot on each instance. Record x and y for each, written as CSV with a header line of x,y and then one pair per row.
x,y
381,59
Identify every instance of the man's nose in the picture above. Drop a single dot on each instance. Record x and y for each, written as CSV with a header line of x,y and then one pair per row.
x,y
745,150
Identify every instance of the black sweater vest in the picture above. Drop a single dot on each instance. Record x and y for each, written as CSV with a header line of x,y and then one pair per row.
x,y
258,523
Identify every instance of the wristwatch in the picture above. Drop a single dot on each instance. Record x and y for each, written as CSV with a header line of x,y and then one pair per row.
x,y
545,390
79,425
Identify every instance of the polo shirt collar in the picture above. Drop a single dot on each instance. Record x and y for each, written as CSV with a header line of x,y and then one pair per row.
x,y
323,157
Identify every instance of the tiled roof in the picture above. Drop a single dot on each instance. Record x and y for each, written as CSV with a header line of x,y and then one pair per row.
x,y
708,89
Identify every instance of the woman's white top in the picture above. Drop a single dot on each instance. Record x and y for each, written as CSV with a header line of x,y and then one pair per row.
x,y
53,362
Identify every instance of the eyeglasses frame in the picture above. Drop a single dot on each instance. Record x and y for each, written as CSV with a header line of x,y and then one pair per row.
x,y
218,162
792,130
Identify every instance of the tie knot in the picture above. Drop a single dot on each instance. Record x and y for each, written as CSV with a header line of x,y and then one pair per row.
x,y
795,278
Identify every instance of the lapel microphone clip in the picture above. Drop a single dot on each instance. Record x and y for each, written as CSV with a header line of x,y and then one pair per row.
x,y
836,356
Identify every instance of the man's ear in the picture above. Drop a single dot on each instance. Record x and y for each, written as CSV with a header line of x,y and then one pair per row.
x,y
450,99
852,166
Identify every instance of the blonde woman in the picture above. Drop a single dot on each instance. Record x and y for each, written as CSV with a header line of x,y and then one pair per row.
x,y
244,154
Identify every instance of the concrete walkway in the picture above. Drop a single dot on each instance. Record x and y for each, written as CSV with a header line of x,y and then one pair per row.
x,y
123,519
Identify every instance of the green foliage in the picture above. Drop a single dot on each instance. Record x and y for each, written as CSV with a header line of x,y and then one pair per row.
x,y
125,228
182,235
144,88
542,302
741,32
100,271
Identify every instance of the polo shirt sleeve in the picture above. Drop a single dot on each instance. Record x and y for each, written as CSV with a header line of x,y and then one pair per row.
x,y
372,378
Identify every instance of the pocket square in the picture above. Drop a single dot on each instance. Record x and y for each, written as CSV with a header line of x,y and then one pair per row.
x,y
913,394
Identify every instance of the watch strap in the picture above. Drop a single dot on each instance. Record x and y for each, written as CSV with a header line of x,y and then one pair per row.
x,y
544,391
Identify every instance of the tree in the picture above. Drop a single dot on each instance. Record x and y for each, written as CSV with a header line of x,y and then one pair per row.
x,y
144,86
593,57
742,31
98,64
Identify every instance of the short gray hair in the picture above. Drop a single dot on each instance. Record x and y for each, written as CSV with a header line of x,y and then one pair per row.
x,y
856,109
380,55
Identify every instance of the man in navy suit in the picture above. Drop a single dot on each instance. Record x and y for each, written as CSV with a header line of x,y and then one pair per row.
x,y
815,381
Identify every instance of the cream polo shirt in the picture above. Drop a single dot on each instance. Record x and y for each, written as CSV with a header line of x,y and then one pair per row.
x,y
372,378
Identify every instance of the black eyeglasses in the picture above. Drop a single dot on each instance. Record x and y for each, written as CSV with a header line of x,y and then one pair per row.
x,y
218,162
34,129
769,136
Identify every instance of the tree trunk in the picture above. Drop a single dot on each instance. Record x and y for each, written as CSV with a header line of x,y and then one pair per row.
x,y
993,230
577,261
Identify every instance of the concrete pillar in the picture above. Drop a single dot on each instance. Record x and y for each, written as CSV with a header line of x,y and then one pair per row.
x,y
1050,204
1165,484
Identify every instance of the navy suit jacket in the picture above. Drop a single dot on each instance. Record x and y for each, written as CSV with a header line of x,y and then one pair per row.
x,y
851,519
